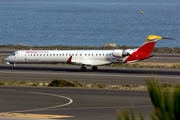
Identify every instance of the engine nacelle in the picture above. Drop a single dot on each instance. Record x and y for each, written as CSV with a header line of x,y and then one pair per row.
x,y
120,53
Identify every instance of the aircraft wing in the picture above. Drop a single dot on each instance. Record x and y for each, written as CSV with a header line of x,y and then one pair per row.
x,y
87,62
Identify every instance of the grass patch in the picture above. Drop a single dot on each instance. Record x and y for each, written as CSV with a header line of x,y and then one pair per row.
x,y
62,83
66,83
98,85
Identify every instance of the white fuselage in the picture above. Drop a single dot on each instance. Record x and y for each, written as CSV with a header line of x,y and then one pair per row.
x,y
79,57
85,57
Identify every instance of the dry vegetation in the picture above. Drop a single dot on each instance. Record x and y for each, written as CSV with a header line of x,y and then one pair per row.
x,y
79,84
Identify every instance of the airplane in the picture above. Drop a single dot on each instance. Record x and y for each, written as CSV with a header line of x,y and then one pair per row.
x,y
84,58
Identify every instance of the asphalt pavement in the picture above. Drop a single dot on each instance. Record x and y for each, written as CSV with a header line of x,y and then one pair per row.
x,y
39,103
49,103
105,75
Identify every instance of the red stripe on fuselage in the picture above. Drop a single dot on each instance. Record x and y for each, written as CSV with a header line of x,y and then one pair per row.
x,y
142,53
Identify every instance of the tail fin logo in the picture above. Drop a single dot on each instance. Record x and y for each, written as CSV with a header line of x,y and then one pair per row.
x,y
152,38
144,51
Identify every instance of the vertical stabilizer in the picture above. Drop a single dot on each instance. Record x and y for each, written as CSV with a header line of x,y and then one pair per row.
x,y
144,51
149,44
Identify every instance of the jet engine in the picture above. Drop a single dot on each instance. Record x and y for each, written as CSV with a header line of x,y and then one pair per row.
x,y
120,53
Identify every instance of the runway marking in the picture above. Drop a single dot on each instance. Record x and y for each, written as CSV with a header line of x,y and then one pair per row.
x,y
70,101
23,115
140,76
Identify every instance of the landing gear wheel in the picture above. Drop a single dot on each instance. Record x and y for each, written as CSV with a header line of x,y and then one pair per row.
x,y
94,68
83,68
13,67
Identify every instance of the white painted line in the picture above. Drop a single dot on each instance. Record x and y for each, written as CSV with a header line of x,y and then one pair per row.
x,y
100,75
70,101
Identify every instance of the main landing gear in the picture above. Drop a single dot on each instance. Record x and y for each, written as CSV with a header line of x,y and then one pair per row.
x,y
94,68
83,68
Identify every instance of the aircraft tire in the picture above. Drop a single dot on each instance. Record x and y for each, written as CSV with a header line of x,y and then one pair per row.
x,y
13,67
94,68
83,69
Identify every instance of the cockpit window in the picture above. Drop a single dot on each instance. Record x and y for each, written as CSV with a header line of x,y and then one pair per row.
x,y
13,54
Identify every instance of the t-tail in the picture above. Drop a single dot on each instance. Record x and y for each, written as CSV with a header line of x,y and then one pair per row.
x,y
144,51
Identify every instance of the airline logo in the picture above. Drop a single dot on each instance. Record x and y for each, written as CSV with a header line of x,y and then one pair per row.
x,y
31,59
110,58
37,51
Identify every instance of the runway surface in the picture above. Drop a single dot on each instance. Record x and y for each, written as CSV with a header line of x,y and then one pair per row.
x,y
105,75
45,103
42,103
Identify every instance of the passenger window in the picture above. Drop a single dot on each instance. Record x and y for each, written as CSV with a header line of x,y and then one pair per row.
x,y
40,54
106,54
80,54
37,54
85,54
31,54
63,54
99,54
89,54
76,54
53,54
57,55
66,54
109,54
96,54
69,54
47,54
92,54
25,54
34,54
44,54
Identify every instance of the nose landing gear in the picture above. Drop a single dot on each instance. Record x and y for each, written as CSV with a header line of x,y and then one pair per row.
x,y
13,66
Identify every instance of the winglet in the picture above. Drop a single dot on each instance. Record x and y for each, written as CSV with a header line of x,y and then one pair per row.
x,y
69,60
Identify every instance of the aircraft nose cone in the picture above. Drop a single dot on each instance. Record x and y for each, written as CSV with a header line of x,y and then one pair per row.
x,y
7,59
